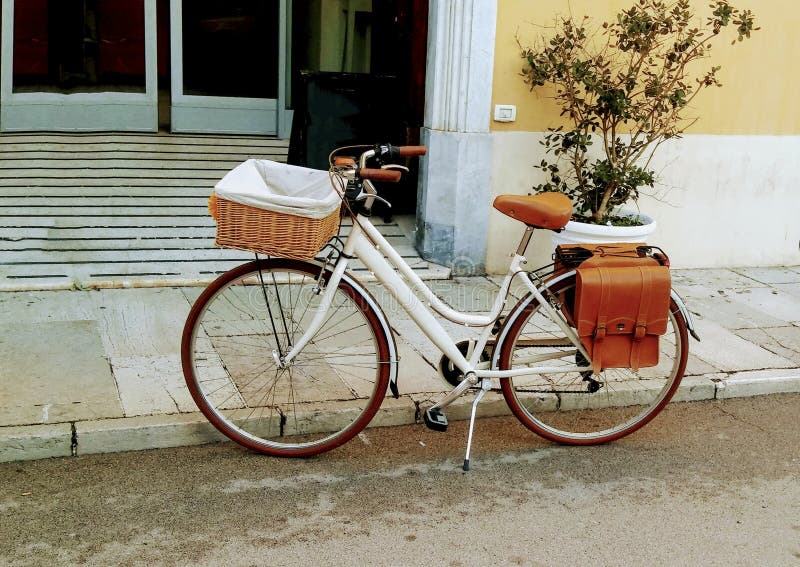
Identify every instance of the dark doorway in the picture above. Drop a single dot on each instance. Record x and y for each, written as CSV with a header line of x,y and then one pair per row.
x,y
358,77
399,46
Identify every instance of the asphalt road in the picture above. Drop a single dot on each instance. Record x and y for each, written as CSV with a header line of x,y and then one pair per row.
x,y
712,483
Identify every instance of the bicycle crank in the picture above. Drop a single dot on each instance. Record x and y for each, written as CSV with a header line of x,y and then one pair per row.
x,y
450,372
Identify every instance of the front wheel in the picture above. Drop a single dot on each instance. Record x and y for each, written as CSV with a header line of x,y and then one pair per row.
x,y
581,408
236,335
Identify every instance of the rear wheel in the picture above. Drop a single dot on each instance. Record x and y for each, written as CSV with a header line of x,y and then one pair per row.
x,y
236,335
581,408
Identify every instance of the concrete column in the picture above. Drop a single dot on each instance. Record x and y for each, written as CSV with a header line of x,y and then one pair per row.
x,y
454,196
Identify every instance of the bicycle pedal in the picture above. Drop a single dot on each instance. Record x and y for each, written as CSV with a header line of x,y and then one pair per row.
x,y
434,419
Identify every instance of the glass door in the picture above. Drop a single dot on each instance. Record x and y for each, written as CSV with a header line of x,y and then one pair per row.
x,y
227,65
78,65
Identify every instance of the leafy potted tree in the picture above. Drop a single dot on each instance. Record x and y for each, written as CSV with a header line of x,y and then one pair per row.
x,y
624,88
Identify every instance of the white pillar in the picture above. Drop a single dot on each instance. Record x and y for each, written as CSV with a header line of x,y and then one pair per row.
x,y
454,196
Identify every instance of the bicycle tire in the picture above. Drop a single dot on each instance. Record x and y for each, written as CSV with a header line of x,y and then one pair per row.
x,y
325,397
561,407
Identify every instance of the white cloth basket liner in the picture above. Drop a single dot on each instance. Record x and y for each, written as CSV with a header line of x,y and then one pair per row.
x,y
280,187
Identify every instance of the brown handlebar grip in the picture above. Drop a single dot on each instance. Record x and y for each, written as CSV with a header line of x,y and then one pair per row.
x,y
390,175
411,151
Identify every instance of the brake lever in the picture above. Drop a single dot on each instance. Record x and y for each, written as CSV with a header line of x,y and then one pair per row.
x,y
363,196
395,166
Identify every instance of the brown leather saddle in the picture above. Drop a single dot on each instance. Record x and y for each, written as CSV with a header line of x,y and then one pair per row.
x,y
544,210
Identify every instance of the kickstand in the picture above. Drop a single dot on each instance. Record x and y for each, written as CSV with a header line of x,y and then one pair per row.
x,y
485,386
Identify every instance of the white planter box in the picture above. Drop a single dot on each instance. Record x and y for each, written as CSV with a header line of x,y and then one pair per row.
x,y
579,232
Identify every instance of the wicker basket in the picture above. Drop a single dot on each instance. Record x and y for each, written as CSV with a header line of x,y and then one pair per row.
x,y
243,227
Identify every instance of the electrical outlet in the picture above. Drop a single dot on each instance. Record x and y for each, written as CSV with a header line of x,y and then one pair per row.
x,y
505,113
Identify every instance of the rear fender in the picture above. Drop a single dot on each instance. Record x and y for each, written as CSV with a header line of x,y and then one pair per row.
x,y
685,312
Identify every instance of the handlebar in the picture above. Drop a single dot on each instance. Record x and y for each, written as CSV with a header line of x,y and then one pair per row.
x,y
385,156
383,153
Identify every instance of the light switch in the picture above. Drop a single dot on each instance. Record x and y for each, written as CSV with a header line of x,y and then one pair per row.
x,y
505,113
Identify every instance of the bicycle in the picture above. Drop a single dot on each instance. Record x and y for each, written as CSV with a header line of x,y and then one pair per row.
x,y
272,343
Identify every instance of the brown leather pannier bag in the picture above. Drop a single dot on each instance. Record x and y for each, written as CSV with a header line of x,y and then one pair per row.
x,y
621,306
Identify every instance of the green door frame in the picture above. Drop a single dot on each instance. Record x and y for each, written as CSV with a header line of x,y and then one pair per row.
x,y
227,115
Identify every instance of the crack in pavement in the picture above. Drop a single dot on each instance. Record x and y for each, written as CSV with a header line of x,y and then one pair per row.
x,y
738,419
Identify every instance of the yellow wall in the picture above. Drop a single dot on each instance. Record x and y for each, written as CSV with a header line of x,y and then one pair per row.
x,y
760,79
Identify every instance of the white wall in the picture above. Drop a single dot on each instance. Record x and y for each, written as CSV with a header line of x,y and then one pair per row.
x,y
723,201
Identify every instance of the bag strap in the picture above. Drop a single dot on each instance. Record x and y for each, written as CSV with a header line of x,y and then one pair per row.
x,y
602,319
640,330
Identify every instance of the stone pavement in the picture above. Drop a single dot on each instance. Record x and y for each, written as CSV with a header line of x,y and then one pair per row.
x,y
99,371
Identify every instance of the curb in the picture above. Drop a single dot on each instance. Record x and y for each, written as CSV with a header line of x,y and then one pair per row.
x,y
31,442
758,383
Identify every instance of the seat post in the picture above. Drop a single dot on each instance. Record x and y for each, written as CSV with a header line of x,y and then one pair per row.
x,y
526,238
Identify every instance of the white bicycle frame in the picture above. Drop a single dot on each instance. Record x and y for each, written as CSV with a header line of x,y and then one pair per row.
x,y
367,244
